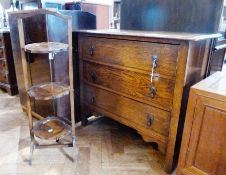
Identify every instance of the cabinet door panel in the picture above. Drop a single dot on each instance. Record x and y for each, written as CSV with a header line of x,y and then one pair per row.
x,y
207,153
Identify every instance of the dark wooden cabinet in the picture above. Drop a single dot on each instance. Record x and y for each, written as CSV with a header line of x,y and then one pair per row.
x,y
203,148
141,79
217,56
8,80
202,16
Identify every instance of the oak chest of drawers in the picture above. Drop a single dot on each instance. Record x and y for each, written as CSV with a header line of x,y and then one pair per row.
x,y
7,70
139,78
203,150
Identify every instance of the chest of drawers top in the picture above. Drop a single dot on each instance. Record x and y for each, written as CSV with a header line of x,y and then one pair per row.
x,y
176,36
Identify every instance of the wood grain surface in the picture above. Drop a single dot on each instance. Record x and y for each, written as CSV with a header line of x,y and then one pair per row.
x,y
116,70
184,36
135,54
132,84
129,109
203,146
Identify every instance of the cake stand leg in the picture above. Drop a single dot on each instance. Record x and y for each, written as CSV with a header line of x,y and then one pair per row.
x,y
32,147
51,66
75,150
52,77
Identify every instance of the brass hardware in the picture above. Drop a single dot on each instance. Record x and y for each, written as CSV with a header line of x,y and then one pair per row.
x,y
93,76
152,91
150,120
91,51
92,100
154,65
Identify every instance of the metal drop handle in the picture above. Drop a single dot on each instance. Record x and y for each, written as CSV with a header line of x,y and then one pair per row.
x,y
153,70
92,100
91,50
152,91
150,120
155,59
93,76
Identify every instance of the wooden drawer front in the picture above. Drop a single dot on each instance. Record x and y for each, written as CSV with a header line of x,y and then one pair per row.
x,y
133,84
133,54
141,115
4,77
3,65
2,55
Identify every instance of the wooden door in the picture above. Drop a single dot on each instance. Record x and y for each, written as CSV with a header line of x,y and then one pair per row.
x,y
206,154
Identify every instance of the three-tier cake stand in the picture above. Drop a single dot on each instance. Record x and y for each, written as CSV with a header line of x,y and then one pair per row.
x,y
49,131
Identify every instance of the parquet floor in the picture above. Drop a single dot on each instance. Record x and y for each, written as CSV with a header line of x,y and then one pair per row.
x,y
105,148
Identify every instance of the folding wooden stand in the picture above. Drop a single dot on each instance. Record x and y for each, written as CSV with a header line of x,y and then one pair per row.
x,y
50,128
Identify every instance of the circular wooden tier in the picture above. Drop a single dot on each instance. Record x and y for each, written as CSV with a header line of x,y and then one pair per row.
x,y
46,47
47,91
51,128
